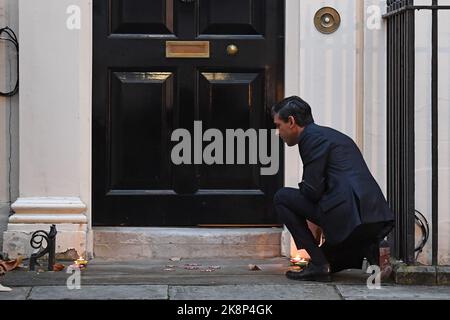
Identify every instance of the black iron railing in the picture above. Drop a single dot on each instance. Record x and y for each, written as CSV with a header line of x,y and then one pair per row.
x,y
400,18
37,242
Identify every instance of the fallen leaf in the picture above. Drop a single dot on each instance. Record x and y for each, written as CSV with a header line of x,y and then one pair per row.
x,y
253,267
6,266
58,267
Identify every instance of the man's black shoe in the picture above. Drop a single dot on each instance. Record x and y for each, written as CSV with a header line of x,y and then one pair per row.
x,y
311,273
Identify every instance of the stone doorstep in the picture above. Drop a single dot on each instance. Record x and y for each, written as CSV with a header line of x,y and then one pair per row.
x,y
126,243
421,274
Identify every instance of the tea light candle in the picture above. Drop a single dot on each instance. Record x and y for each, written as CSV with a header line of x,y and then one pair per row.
x,y
297,261
81,262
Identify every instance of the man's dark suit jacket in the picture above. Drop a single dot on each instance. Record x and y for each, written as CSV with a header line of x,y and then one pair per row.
x,y
336,177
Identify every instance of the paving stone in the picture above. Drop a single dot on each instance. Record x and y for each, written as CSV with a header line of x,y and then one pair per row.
x,y
231,272
17,293
300,291
353,292
233,280
122,292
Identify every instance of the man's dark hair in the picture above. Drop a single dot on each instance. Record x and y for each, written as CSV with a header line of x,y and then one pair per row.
x,y
296,107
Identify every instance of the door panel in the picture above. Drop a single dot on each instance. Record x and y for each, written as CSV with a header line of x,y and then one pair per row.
x,y
142,16
140,97
231,101
141,104
231,17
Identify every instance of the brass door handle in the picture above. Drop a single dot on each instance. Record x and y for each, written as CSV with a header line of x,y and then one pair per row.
x,y
232,50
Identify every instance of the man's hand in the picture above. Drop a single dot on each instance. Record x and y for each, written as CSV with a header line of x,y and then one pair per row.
x,y
316,231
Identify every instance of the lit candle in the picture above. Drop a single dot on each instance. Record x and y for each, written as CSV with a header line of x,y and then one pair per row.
x,y
81,263
298,261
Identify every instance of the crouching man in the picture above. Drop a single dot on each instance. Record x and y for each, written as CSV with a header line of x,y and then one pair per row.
x,y
337,193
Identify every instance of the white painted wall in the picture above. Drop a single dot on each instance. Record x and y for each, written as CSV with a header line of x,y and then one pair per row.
x,y
323,70
55,109
49,85
55,81
9,110
327,66
375,64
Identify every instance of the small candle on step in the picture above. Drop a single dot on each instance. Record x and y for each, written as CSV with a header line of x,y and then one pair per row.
x,y
81,263
298,261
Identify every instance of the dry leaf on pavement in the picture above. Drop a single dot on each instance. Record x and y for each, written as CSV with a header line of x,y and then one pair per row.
x,y
58,267
253,267
6,266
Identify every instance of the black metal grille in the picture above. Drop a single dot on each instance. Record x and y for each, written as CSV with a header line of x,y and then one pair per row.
x,y
400,116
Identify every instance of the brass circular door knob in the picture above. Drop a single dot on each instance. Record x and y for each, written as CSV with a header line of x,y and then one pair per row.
x,y
232,50
327,20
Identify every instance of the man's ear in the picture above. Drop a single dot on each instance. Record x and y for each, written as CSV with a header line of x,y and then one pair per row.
x,y
291,121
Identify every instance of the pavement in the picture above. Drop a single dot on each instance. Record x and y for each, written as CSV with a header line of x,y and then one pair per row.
x,y
201,279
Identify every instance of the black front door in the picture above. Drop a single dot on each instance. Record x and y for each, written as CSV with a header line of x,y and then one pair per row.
x,y
140,96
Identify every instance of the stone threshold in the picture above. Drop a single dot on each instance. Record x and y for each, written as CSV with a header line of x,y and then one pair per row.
x,y
137,243
420,274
